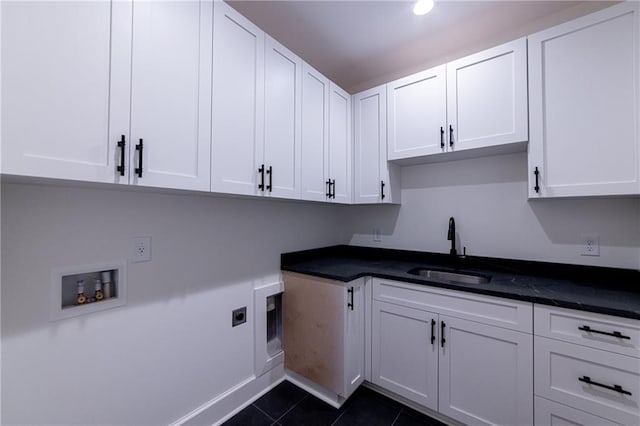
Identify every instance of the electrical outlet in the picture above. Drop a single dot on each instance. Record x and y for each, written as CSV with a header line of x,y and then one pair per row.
x,y
590,246
141,249
377,235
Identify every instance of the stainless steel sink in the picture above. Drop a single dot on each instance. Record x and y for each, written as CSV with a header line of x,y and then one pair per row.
x,y
456,277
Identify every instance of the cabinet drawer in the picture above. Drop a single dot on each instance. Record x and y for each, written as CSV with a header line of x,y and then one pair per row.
x,y
560,365
589,329
511,314
548,413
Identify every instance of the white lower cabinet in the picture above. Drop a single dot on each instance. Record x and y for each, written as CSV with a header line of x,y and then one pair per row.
x,y
553,414
404,352
323,331
470,371
485,373
590,378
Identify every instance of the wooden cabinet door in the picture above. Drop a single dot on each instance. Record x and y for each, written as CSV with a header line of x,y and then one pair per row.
x,y
404,356
65,88
486,373
417,114
354,337
370,139
584,108
282,139
315,134
171,94
339,148
238,102
487,97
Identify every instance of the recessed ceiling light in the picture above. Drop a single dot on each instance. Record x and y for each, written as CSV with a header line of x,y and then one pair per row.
x,y
423,7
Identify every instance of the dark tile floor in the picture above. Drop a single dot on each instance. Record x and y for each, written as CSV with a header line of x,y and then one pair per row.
x,y
287,404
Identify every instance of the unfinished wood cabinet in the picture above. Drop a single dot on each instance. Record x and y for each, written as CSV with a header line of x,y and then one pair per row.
x,y
323,331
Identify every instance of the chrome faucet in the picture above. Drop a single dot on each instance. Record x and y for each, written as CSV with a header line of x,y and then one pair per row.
x,y
451,236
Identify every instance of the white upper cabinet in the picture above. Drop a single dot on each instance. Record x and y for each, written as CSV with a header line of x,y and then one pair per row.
x,y
340,143
62,118
417,114
584,82
282,138
171,94
238,103
375,180
487,97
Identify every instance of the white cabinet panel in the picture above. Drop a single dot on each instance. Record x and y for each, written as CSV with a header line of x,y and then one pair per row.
x,y
238,102
486,375
354,337
563,371
487,97
340,143
171,93
282,139
548,413
375,180
417,114
404,355
315,134
584,105
63,118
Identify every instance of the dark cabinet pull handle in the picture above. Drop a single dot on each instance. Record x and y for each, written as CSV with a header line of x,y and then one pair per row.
x,y
442,339
270,173
332,188
441,137
606,333
261,184
121,144
536,173
350,304
433,331
328,183
138,169
617,388
450,135
382,190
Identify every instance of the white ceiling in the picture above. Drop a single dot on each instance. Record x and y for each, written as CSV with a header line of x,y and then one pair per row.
x,y
363,43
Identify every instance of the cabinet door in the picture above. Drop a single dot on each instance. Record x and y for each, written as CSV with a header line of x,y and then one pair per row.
x,y
584,110
417,114
65,88
315,134
486,373
404,356
171,93
339,150
283,87
487,97
549,413
354,337
370,139
238,102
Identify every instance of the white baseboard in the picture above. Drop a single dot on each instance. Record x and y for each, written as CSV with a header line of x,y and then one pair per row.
x,y
314,389
229,403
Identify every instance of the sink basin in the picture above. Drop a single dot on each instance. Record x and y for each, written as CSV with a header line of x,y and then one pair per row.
x,y
456,277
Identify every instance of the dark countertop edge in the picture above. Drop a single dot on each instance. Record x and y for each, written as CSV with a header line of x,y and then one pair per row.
x,y
621,278
563,271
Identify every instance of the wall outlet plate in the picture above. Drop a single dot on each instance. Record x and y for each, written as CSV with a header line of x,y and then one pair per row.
x,y
141,249
590,245
377,235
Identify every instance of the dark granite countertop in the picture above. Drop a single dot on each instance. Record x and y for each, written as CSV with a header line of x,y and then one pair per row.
x,y
612,291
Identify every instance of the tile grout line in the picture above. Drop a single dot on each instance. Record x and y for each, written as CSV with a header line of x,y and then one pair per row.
x,y
397,416
265,413
336,420
292,407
